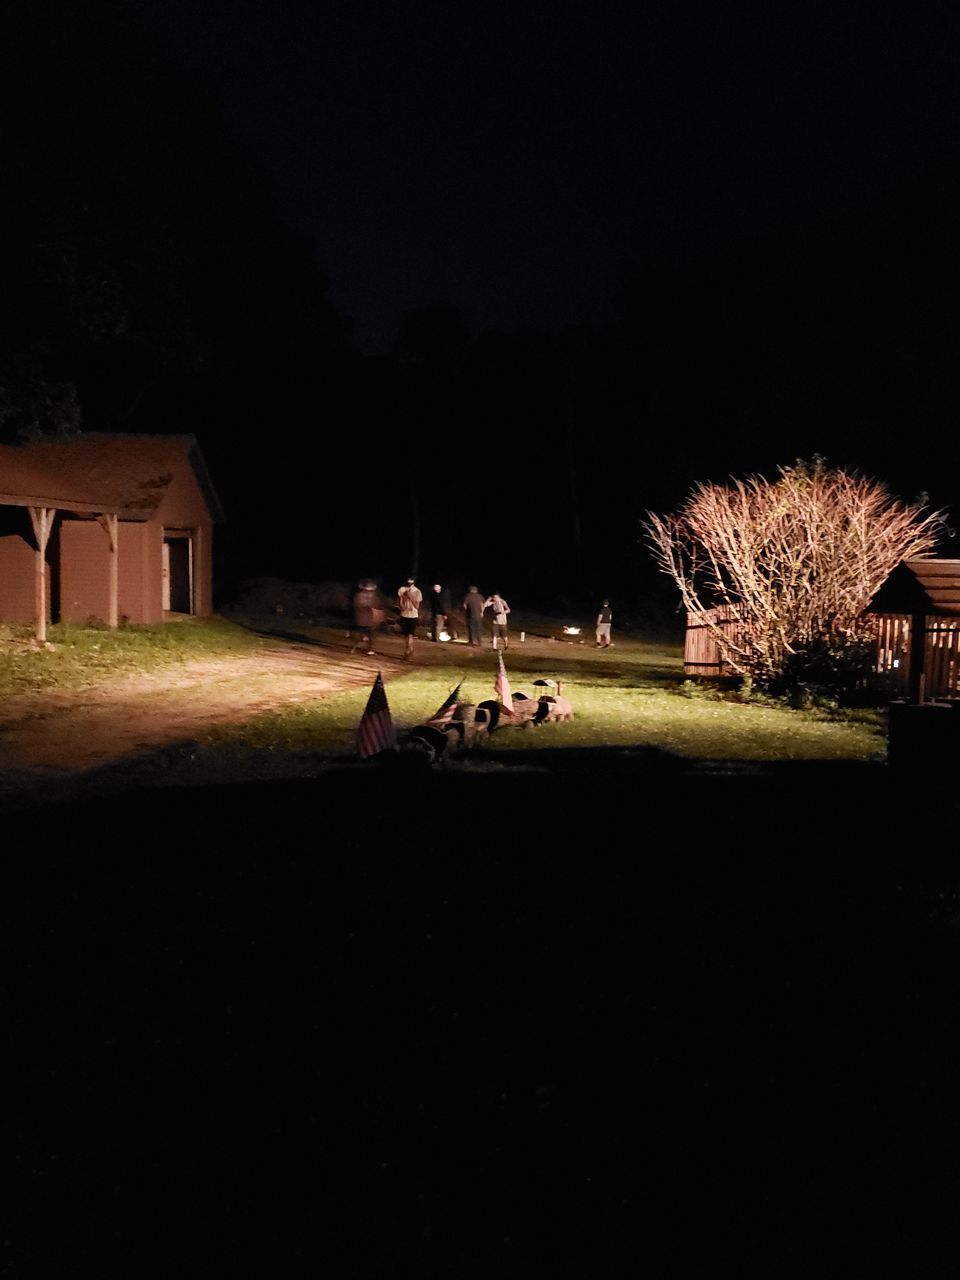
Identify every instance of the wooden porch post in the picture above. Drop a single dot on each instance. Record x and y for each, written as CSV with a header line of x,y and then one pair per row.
x,y
42,521
109,523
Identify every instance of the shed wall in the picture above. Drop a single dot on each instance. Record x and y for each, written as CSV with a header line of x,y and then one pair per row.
x,y
84,571
129,572
151,571
17,580
203,569
183,504
184,507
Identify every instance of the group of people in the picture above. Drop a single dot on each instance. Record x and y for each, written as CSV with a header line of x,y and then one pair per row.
x,y
474,607
368,614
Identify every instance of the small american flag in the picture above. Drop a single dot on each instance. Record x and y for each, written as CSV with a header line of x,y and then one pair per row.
x,y
502,687
444,714
375,731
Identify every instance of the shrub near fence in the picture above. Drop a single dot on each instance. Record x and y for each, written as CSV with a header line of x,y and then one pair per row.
x,y
702,655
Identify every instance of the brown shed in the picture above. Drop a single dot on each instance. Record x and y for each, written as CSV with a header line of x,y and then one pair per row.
x,y
918,619
108,527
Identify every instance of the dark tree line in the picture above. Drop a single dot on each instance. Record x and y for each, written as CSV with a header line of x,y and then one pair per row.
x,y
140,253
838,340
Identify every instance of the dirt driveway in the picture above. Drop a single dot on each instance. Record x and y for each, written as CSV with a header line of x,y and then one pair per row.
x,y
53,735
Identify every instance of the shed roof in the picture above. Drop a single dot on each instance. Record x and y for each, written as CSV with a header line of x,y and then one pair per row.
x,y
99,472
920,586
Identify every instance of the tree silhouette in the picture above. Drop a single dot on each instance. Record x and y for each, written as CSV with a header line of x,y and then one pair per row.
x,y
139,248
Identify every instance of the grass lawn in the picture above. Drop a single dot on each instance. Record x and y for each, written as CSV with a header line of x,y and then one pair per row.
x,y
631,696
77,657
613,708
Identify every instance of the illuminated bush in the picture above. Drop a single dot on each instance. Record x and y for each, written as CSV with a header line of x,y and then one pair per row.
x,y
797,559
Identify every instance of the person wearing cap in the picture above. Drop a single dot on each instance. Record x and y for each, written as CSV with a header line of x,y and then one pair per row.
x,y
410,598
604,623
500,609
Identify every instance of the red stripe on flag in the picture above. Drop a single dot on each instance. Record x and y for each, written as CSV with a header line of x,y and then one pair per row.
x,y
375,731
444,714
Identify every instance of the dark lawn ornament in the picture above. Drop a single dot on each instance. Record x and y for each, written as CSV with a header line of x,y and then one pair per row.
x,y
425,741
487,715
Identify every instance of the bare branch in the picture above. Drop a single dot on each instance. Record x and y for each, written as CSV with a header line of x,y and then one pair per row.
x,y
798,557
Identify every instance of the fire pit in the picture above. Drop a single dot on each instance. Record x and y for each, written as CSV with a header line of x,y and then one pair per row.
x,y
570,635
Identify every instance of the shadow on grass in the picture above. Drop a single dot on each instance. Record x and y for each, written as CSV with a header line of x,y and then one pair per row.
x,y
637,794
627,997
294,637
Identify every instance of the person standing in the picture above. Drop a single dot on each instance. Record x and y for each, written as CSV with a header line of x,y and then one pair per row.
x,y
439,608
500,609
410,597
604,623
473,608
367,616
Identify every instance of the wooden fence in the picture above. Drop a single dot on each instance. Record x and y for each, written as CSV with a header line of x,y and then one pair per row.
x,y
892,662
701,649
941,655
941,667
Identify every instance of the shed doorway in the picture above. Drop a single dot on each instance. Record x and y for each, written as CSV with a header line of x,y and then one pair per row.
x,y
177,571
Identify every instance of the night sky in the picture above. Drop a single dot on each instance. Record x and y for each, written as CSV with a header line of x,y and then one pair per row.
x,y
514,159
468,291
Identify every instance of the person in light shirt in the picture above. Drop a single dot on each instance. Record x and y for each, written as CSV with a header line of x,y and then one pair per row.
x,y
500,609
410,597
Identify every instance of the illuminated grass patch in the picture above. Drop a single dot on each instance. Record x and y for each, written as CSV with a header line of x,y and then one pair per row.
x,y
615,707
632,697
78,656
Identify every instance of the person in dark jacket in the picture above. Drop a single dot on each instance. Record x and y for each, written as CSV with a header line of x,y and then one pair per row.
x,y
473,608
367,616
604,623
439,609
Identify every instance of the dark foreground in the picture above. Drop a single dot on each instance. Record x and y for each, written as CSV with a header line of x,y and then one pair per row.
x,y
628,1019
